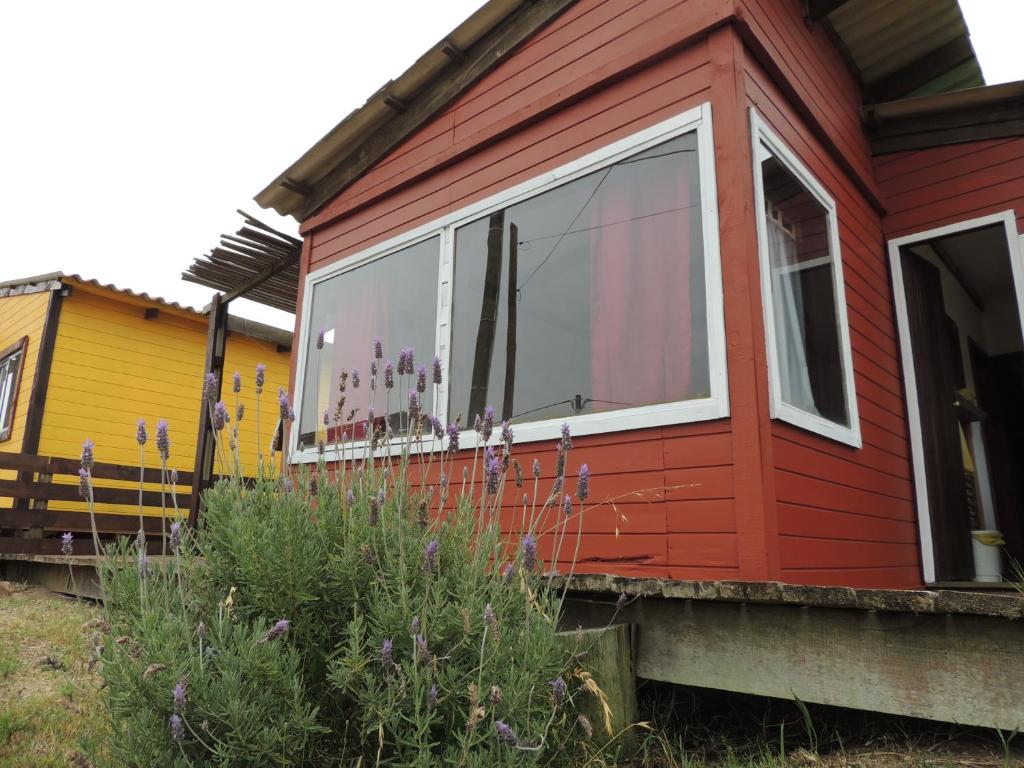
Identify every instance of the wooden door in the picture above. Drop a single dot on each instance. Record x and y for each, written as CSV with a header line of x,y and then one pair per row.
x,y
935,376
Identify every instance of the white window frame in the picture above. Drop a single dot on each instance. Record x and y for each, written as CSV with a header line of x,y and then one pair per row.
x,y
716,406
761,133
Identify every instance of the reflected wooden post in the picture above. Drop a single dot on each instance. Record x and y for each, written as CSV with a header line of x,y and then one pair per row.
x,y
216,340
510,332
488,327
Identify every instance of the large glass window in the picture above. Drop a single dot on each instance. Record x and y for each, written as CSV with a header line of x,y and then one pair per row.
x,y
804,309
590,293
10,373
393,298
589,297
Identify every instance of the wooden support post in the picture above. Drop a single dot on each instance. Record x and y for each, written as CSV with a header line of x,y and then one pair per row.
x,y
609,659
202,472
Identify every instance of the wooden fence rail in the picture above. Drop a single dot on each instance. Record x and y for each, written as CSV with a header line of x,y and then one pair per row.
x,y
30,525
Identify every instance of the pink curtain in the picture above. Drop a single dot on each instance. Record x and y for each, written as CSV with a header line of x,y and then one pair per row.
x,y
641,336
360,318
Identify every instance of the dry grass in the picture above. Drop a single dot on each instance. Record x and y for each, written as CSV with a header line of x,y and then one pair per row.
x,y
50,703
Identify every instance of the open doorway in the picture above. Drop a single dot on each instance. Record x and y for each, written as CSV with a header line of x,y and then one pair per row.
x,y
959,296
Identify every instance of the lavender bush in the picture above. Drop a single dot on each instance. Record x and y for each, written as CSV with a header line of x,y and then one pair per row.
x,y
352,613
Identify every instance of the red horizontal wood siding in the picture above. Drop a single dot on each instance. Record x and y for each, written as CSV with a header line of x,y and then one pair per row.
x,y
845,516
929,188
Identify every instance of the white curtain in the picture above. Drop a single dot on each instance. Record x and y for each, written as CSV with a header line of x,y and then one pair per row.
x,y
787,305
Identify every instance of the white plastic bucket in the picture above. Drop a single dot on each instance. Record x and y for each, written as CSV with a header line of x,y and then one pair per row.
x,y
988,565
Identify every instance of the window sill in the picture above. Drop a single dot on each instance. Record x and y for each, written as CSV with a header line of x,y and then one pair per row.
x,y
820,426
648,417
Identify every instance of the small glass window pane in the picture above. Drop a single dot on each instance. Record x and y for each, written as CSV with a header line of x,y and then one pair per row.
x,y
393,297
587,298
8,373
808,353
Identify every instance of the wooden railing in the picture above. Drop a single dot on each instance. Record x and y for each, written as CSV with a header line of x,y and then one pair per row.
x,y
32,520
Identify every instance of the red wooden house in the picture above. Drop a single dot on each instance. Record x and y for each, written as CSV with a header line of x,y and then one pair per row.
x,y
761,255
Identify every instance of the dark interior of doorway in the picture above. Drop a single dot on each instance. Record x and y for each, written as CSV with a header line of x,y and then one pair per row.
x,y
969,369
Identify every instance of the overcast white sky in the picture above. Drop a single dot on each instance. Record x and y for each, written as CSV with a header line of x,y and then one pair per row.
x,y
131,131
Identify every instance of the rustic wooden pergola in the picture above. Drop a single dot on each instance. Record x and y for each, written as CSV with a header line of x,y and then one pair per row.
x,y
260,264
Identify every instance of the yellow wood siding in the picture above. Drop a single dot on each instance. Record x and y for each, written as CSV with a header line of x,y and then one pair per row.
x,y
21,316
111,366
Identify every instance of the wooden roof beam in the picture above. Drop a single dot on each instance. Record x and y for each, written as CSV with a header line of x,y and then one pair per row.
x,y
816,10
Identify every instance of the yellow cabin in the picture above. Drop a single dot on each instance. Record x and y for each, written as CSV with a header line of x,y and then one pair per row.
x,y
79,359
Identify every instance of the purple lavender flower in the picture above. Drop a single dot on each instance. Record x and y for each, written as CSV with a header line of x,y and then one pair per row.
x,y
432,698
508,572
67,544
476,424
506,434
414,626
389,375
87,453
583,483
220,415
143,561
179,697
492,470
438,427
438,378
350,497
566,437
163,442
378,348
505,733
409,365
236,383
355,378
209,387
489,618
422,649
414,407
487,425
320,339
517,471
536,468
140,432
558,691
261,377
174,477
374,511
430,556
277,630
453,437
175,540
177,728
528,549
421,380
370,414
567,505
83,483
443,480
387,652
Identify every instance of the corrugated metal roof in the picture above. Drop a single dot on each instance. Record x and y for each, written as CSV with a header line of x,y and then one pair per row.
x,y
887,38
53,280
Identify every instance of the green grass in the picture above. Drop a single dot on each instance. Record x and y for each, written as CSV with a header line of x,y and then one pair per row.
x,y
50,702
